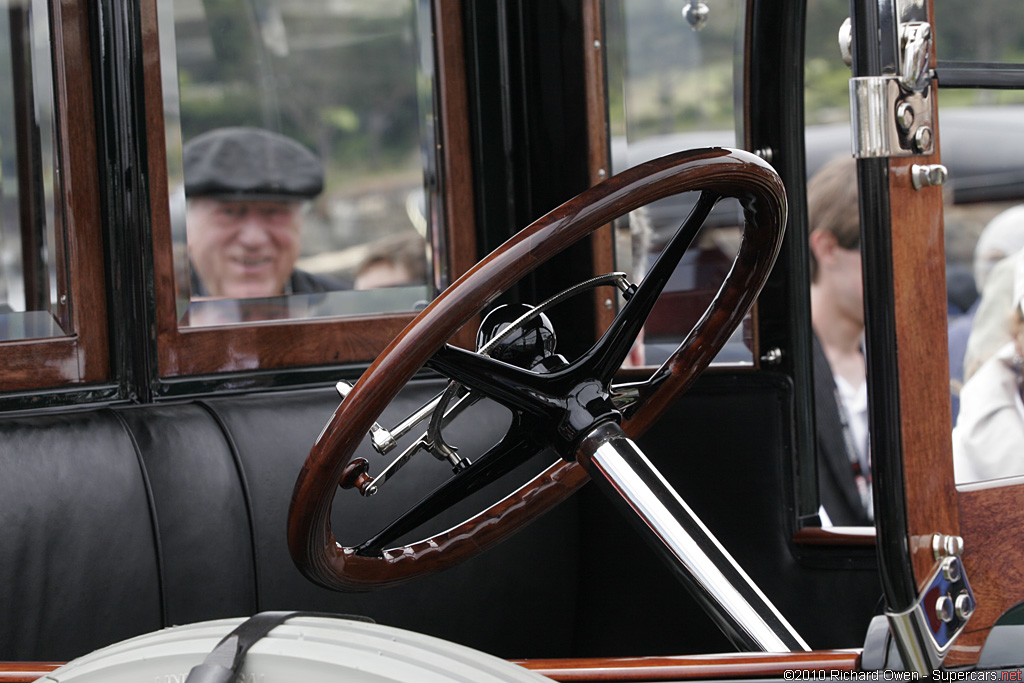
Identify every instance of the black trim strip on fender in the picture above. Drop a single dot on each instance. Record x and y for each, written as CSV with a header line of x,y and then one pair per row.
x,y
223,664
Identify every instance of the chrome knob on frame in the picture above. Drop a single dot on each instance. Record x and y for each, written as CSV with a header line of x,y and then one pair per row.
x,y
696,15
928,175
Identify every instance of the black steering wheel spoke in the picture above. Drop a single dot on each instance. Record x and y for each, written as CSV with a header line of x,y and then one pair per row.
x,y
519,390
527,391
605,358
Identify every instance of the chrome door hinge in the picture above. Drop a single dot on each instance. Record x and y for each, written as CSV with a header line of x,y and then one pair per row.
x,y
892,115
925,632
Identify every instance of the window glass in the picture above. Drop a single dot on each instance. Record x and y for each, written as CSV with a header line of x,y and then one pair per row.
x,y
983,31
842,447
982,145
33,296
301,162
671,87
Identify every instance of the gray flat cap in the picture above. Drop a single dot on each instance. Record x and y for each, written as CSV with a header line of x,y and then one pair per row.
x,y
250,163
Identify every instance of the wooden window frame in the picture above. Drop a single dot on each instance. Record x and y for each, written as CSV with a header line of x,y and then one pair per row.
x,y
82,355
184,351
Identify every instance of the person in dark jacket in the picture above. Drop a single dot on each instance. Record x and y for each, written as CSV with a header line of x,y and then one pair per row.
x,y
247,190
837,316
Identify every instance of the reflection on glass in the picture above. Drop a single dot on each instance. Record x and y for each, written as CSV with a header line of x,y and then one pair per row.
x,y
671,88
33,301
300,157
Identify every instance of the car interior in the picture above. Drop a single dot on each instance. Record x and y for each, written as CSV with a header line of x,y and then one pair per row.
x,y
169,457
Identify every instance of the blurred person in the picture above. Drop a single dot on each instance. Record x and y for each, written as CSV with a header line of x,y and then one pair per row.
x,y
837,318
394,261
247,190
979,332
1002,237
988,440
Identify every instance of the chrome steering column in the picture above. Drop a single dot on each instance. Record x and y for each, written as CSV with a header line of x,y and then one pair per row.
x,y
711,575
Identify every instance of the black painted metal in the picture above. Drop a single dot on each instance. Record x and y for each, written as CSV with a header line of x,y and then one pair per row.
x,y
45,401
121,147
980,75
256,380
549,396
883,378
515,449
775,96
528,130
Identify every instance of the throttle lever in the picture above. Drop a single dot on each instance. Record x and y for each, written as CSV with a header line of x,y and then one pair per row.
x,y
383,440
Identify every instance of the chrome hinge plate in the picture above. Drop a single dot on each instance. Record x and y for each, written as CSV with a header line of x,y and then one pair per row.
x,y
926,632
888,120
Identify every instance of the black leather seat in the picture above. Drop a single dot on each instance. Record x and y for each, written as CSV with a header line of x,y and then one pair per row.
x,y
119,521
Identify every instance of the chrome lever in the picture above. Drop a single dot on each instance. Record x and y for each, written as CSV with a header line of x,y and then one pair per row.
x,y
428,441
383,440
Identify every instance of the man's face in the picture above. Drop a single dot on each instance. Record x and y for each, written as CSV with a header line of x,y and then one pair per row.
x,y
243,248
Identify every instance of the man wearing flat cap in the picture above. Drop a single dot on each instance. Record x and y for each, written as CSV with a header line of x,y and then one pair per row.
x,y
246,190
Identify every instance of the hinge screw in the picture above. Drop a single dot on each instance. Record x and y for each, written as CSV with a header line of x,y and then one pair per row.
x,y
904,116
944,608
964,605
945,545
923,139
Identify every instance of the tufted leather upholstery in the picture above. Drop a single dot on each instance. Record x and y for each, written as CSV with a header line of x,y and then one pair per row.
x,y
120,521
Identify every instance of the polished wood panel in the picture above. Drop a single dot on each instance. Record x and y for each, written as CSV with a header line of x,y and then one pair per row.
x,y
992,524
918,253
271,344
84,242
692,667
687,667
730,173
459,210
82,355
991,516
37,363
846,536
990,520
919,268
599,159
23,672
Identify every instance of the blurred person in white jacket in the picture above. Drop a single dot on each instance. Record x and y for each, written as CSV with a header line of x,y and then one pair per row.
x,y
988,441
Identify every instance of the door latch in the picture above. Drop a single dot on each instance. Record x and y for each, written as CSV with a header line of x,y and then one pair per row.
x,y
892,115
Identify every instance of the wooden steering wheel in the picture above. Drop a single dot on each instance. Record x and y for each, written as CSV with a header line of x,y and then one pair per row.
x,y
536,400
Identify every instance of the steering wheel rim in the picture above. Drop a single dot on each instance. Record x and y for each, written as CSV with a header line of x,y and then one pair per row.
x,y
731,173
